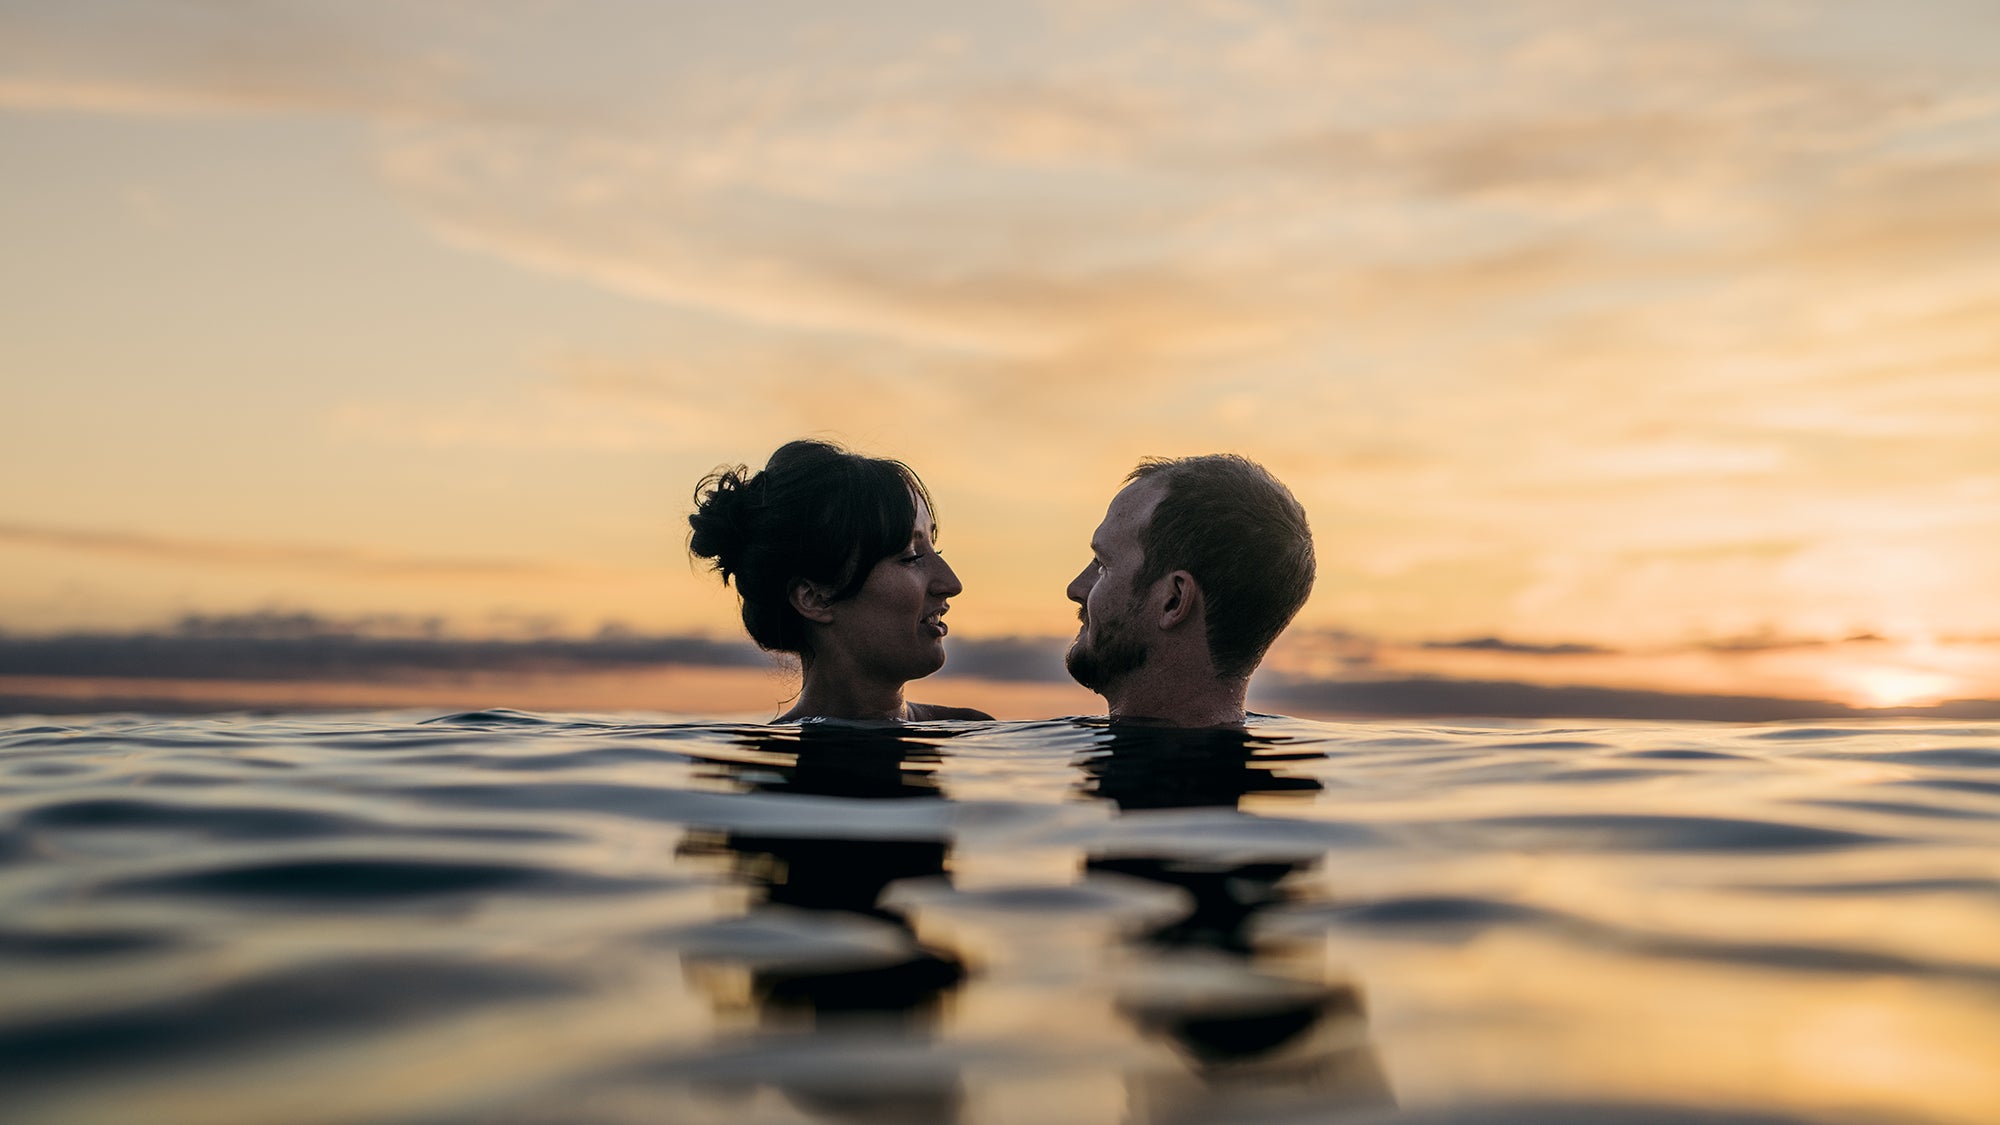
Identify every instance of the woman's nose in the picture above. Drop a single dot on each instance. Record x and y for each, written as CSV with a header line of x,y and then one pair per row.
x,y
944,582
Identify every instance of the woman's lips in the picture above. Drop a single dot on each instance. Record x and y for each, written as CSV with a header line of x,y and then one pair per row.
x,y
934,622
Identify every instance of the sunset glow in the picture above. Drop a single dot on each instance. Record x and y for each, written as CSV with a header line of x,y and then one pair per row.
x,y
1654,341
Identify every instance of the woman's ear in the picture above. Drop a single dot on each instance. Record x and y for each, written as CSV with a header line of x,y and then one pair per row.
x,y
813,601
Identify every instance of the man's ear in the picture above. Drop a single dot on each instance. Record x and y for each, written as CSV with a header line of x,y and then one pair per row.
x,y
1182,602
813,601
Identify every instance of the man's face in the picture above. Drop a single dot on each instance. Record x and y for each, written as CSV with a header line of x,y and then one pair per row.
x,y
1111,642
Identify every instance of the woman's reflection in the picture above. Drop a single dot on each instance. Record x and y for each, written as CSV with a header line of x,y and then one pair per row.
x,y
819,882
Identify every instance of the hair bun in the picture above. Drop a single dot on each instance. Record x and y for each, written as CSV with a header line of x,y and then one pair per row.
x,y
722,516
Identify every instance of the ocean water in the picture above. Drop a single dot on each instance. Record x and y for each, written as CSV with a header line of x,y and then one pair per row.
x,y
514,918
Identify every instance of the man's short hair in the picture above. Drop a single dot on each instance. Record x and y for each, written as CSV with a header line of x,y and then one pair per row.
x,y
1244,537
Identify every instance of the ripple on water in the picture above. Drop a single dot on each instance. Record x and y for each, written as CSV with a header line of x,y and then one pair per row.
x,y
1899,808
1656,833
1098,898
1956,757
222,822
1578,1112
49,769
1683,755
336,882
1456,919
69,945
492,717
258,1011
775,937
1918,885
1977,786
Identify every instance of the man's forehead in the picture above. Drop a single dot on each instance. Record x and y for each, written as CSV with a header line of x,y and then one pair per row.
x,y
1136,501
1131,510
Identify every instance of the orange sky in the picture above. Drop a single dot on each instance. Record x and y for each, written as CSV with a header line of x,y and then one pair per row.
x,y
1635,325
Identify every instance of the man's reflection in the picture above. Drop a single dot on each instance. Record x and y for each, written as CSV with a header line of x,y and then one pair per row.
x,y
1247,1025
894,992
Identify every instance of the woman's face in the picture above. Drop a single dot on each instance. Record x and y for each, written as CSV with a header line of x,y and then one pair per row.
x,y
893,628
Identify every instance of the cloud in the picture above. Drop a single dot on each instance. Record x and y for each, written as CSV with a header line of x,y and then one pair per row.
x,y
206,59
218,666
1010,659
1311,673
309,647
1420,697
1495,644
1620,322
325,559
811,269
288,645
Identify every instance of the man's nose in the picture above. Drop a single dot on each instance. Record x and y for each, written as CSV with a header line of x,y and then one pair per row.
x,y
1079,587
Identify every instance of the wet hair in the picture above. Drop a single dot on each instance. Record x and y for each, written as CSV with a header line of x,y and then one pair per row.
x,y
816,512
1244,537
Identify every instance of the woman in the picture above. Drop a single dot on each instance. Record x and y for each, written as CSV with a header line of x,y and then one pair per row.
x,y
833,558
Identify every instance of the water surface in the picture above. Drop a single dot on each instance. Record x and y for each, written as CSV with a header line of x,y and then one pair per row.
x,y
514,918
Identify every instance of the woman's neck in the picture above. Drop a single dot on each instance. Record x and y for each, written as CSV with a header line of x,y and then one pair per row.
x,y
839,697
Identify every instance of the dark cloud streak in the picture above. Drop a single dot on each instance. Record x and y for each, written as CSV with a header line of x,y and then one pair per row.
x,y
281,647
1420,697
1496,644
307,649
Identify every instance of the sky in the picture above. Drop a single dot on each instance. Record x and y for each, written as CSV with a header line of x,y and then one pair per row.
x,y
1641,344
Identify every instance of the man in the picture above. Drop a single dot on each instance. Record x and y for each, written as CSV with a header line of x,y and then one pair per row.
x,y
1198,566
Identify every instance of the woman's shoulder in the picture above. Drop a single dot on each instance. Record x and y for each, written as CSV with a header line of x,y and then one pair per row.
x,y
927,712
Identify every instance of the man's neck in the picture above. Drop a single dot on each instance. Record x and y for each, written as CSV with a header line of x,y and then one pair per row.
x,y
1207,702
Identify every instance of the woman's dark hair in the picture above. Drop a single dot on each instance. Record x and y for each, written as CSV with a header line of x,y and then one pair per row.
x,y
816,512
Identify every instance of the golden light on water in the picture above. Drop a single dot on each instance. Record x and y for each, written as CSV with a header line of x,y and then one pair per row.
x,y
1578,1024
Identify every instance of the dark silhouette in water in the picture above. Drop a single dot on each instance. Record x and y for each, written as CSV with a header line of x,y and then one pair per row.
x,y
1279,1034
898,995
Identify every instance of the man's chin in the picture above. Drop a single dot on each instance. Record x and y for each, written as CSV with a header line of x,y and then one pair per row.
x,y
1079,665
1094,671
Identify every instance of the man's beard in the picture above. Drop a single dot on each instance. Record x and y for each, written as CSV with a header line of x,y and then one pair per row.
x,y
1100,658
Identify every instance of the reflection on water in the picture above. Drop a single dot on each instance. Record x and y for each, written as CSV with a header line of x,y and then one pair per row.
x,y
806,882
501,917
1253,1028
